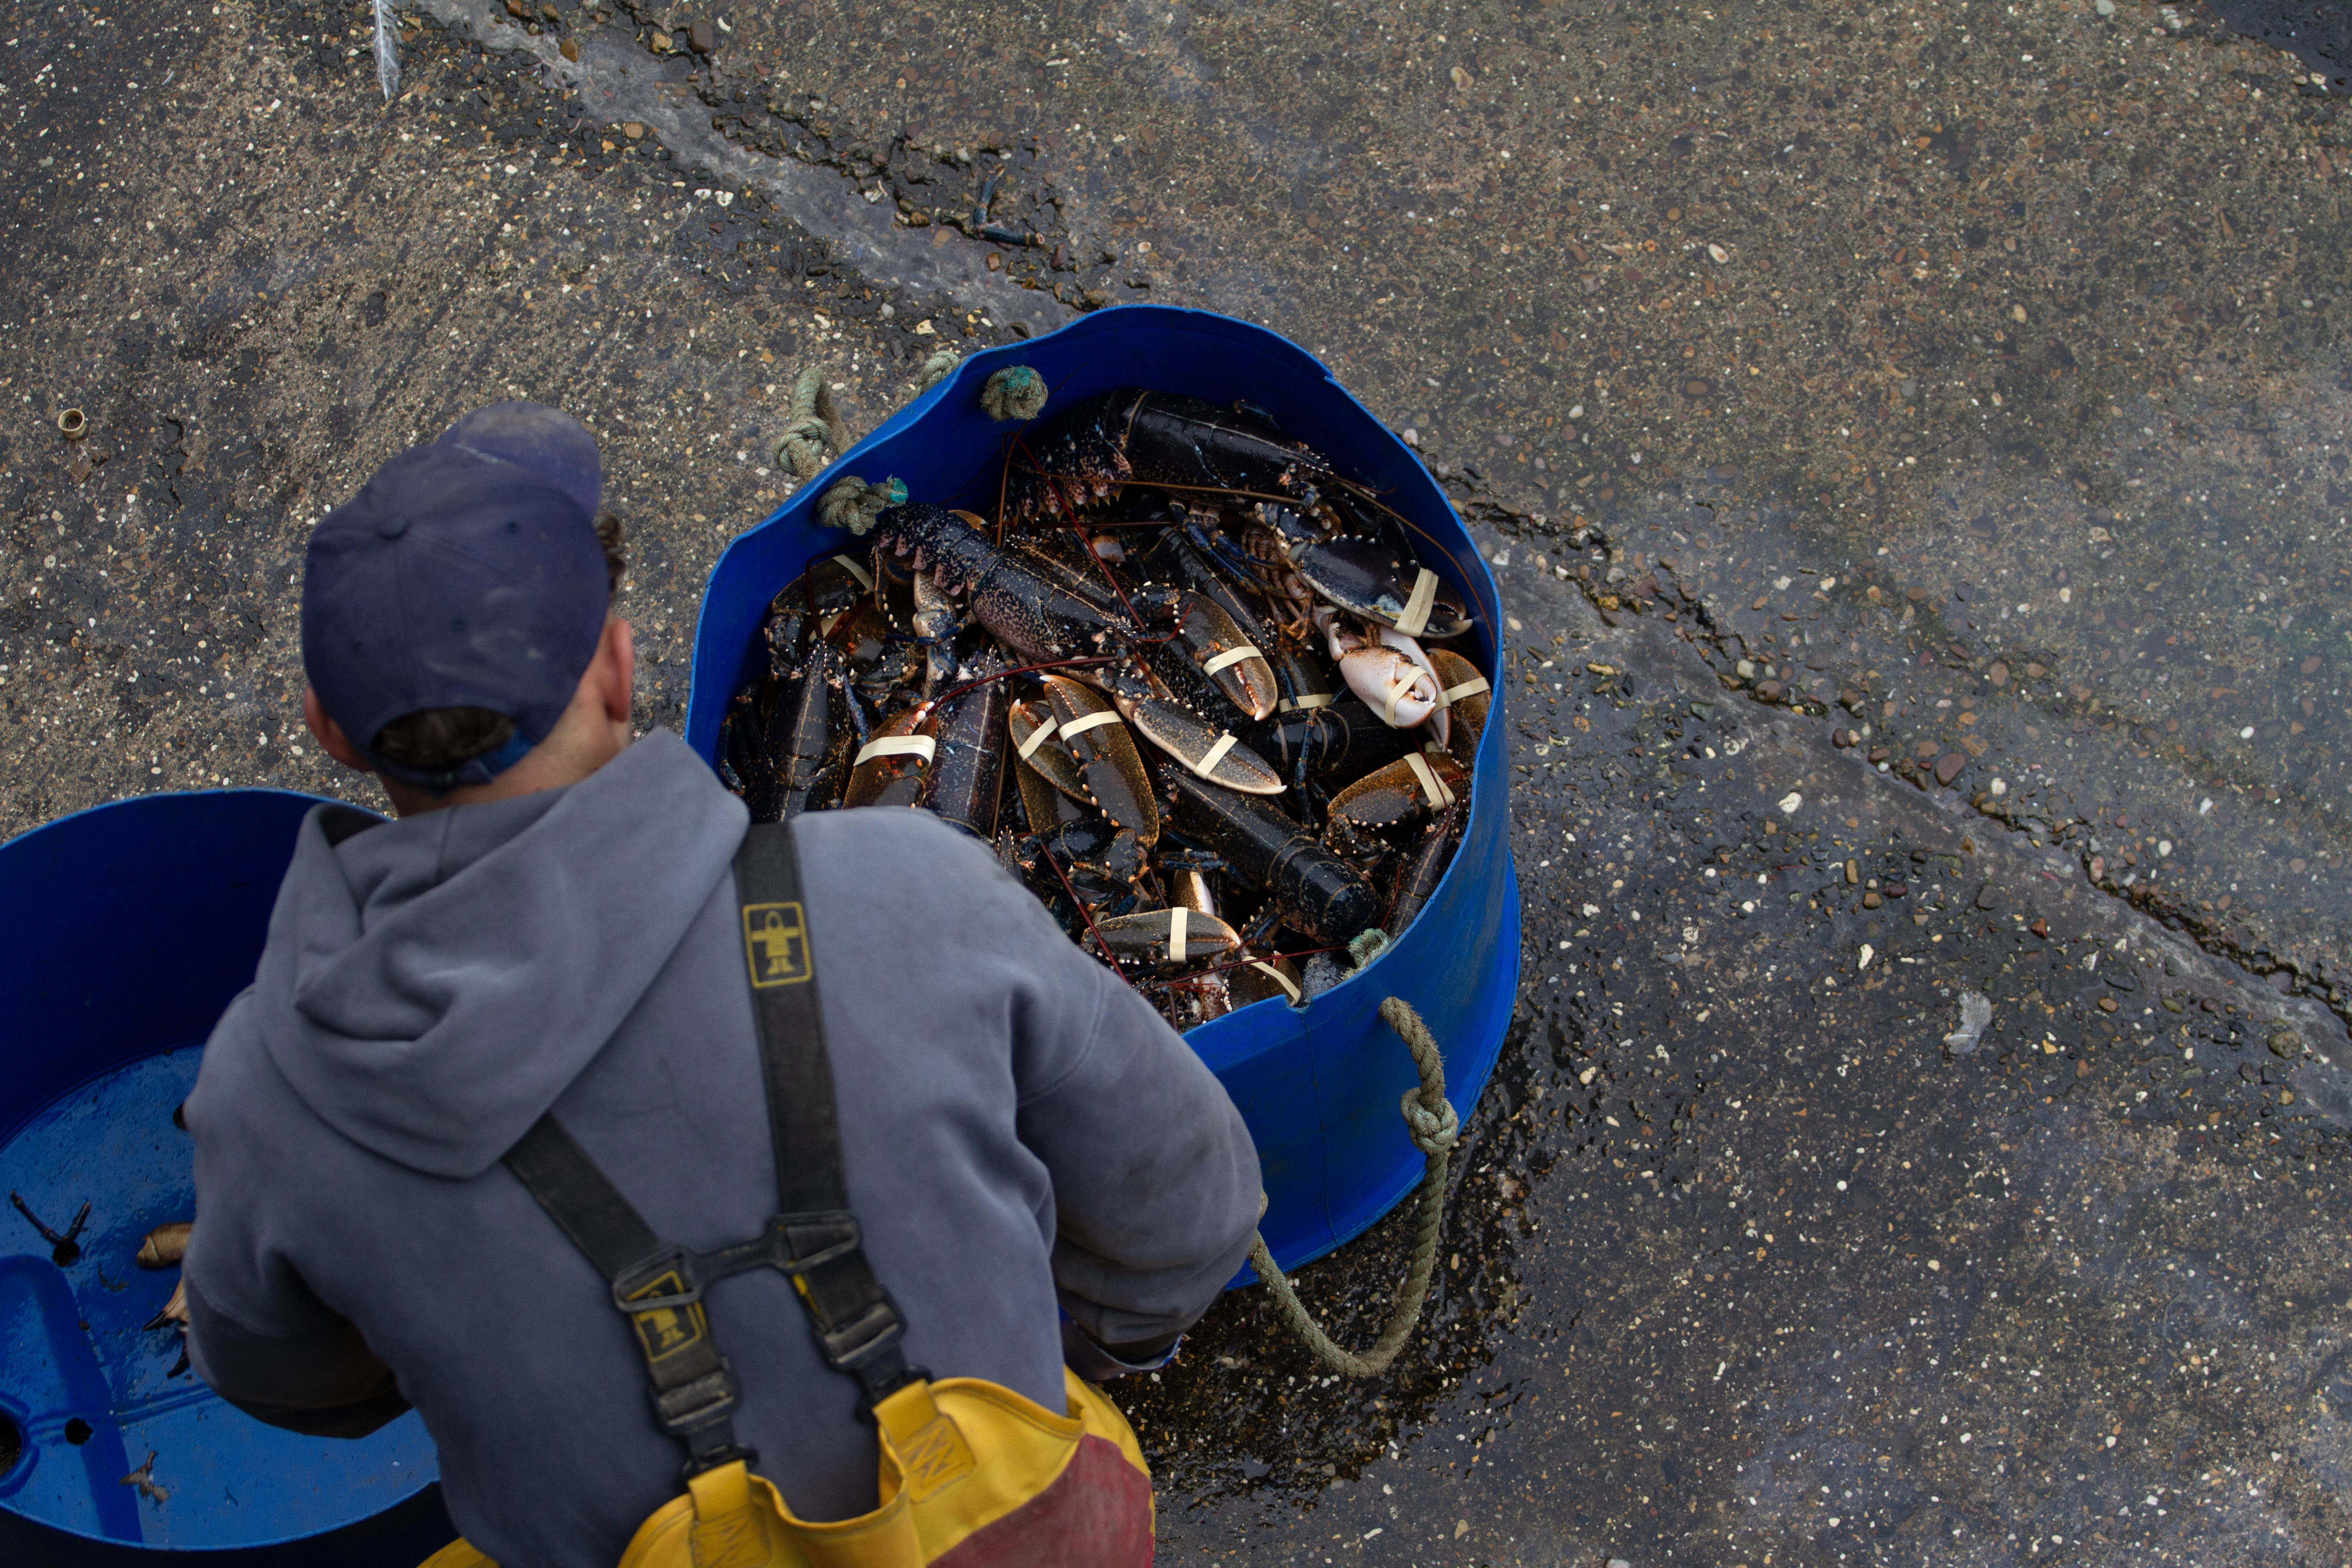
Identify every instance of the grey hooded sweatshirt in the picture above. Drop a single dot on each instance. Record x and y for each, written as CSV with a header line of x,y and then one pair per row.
x,y
1019,1129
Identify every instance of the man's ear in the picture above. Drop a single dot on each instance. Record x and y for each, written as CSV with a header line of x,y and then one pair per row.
x,y
617,669
331,739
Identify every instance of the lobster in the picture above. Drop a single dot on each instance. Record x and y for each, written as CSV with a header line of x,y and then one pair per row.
x,y
1085,455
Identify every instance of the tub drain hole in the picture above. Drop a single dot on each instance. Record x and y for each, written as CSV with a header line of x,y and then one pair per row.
x,y
12,1444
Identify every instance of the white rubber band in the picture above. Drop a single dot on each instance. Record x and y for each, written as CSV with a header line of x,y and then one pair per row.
x,y
1470,688
1085,722
1207,766
1279,978
1416,614
1306,704
1178,918
1398,690
1230,657
855,570
1430,784
922,746
1037,737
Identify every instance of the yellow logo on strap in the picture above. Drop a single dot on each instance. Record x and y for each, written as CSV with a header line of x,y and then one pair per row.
x,y
775,940
936,1455
665,1330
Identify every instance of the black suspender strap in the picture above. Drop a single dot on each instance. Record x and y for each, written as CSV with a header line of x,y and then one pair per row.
x,y
858,1326
657,1286
792,1058
812,1237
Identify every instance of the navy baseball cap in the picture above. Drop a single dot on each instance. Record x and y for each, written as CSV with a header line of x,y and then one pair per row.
x,y
466,572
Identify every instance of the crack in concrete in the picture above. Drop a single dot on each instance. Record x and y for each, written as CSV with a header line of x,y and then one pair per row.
x,y
618,82
2320,1057
2171,912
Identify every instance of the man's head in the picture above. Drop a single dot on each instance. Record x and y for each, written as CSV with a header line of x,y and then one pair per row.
x,y
455,625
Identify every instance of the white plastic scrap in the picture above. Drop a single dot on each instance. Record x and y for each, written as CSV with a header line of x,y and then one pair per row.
x,y
1975,1012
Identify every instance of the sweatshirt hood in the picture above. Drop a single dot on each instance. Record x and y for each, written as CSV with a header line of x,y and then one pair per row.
x,y
433,984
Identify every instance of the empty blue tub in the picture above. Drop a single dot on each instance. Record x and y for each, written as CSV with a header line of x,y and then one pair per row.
x,y
124,930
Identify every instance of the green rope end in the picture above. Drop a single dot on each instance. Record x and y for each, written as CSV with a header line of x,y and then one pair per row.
x,y
1368,945
853,504
1016,392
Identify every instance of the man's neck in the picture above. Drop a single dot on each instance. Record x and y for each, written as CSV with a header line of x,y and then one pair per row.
x,y
557,763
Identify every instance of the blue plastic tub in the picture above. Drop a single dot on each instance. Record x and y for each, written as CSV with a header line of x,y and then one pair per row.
x,y
1319,1085
124,930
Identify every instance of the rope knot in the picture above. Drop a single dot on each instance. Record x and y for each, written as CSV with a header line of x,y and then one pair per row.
x,y
853,504
1432,1133
1016,392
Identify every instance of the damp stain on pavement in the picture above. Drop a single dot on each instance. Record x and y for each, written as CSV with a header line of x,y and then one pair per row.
x,y
1745,1259
1912,442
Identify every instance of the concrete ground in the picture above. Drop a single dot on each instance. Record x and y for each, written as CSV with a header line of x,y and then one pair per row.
x,y
1912,442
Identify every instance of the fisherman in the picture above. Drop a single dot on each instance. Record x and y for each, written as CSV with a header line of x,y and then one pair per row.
x,y
553,933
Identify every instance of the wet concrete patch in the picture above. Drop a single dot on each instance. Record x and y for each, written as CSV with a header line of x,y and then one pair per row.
x,y
2316,32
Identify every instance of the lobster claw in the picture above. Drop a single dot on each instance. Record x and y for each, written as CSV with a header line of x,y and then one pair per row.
x,y
1217,756
1317,892
894,767
1106,756
1466,696
1417,785
1383,671
1364,577
966,780
1257,979
1169,939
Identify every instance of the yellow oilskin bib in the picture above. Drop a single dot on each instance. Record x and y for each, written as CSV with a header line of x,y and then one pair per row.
x,y
972,1475
957,1456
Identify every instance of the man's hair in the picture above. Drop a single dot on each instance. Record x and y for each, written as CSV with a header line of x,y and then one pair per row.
x,y
432,739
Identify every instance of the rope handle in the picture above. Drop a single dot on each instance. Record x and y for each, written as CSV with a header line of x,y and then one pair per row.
x,y
813,426
815,433
1435,1128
